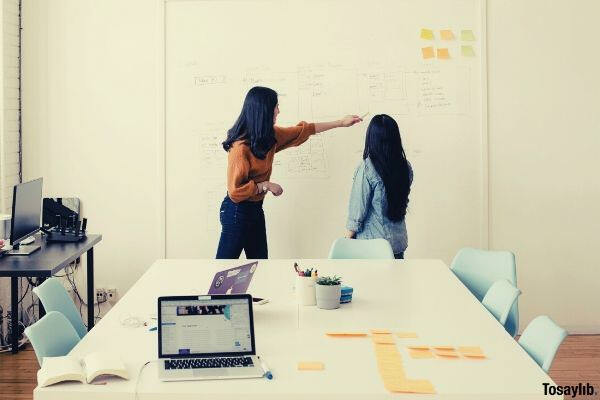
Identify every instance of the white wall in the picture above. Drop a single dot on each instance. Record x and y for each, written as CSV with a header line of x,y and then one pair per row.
x,y
91,129
544,128
90,122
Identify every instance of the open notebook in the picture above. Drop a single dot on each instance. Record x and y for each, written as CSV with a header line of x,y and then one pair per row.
x,y
60,369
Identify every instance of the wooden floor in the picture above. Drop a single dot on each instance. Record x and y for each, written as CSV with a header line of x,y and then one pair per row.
x,y
578,360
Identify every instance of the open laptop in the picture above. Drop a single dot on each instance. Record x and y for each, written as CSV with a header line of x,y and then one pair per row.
x,y
233,280
206,337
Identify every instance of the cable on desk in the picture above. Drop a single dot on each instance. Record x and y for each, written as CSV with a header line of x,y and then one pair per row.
x,y
137,379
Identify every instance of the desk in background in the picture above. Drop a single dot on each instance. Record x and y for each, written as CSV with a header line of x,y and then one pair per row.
x,y
421,296
43,263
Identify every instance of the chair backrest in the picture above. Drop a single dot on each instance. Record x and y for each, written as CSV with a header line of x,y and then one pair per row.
x,y
479,269
54,297
52,336
499,299
541,339
344,248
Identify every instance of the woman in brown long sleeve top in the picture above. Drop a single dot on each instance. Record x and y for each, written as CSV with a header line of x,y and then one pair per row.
x,y
252,143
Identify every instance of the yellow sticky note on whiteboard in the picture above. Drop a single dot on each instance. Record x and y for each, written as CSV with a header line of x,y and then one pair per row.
x,y
310,366
443,54
447,34
427,34
467,35
467,51
427,52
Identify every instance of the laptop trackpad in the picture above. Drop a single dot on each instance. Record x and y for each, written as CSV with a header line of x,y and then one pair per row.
x,y
208,372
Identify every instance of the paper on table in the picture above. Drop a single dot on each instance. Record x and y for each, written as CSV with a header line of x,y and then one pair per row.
x,y
427,34
406,335
427,52
346,334
467,35
447,34
467,51
310,366
443,54
421,353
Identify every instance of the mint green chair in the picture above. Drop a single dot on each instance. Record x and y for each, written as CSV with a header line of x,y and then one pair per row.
x,y
344,248
479,269
54,297
541,339
52,336
500,298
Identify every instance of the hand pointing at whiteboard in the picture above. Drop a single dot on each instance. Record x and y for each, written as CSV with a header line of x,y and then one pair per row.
x,y
345,122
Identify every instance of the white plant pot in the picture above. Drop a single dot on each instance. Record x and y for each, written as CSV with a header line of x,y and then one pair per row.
x,y
328,296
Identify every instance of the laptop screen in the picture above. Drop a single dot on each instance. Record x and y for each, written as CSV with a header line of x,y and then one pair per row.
x,y
205,327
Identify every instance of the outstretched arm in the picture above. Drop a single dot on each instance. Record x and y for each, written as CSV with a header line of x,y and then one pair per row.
x,y
345,122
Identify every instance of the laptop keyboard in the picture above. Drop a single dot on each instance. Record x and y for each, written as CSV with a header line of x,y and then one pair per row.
x,y
193,363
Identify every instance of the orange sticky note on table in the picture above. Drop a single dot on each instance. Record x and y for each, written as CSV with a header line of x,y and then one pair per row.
x,y
443,347
446,353
346,334
406,335
383,339
427,34
443,54
447,34
310,366
380,331
418,347
421,353
427,52
471,351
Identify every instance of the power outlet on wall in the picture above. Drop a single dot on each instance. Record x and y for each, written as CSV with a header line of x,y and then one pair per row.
x,y
111,294
101,295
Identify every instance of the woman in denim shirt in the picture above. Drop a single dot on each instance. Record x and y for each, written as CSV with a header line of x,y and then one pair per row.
x,y
379,196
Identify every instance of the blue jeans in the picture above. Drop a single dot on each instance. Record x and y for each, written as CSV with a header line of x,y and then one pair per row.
x,y
242,228
399,256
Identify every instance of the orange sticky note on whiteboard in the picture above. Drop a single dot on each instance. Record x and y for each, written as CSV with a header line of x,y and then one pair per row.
x,y
447,34
443,54
427,52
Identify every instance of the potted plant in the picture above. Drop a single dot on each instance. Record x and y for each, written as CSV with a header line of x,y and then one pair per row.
x,y
329,291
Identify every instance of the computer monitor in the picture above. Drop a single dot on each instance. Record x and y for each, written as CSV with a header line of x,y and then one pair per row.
x,y
26,215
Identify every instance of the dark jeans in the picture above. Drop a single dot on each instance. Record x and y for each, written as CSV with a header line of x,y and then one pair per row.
x,y
399,256
242,228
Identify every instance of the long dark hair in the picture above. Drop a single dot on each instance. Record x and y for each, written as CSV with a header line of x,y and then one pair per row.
x,y
383,146
255,123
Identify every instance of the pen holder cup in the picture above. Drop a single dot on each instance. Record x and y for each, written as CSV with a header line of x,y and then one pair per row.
x,y
306,291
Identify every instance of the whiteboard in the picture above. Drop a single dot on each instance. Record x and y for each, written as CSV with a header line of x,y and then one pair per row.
x,y
325,59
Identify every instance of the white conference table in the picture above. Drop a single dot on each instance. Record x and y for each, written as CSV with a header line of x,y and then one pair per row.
x,y
421,296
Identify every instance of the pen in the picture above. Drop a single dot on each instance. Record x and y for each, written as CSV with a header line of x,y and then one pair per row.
x,y
268,373
364,115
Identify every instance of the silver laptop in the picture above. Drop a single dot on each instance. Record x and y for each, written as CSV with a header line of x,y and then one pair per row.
x,y
206,337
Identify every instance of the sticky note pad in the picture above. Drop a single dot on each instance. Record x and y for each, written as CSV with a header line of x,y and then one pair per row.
x,y
443,54
421,353
346,334
467,35
427,34
380,331
447,34
427,52
467,51
310,366
406,335
419,386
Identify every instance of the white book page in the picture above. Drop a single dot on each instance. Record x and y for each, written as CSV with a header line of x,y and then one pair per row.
x,y
60,369
99,363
